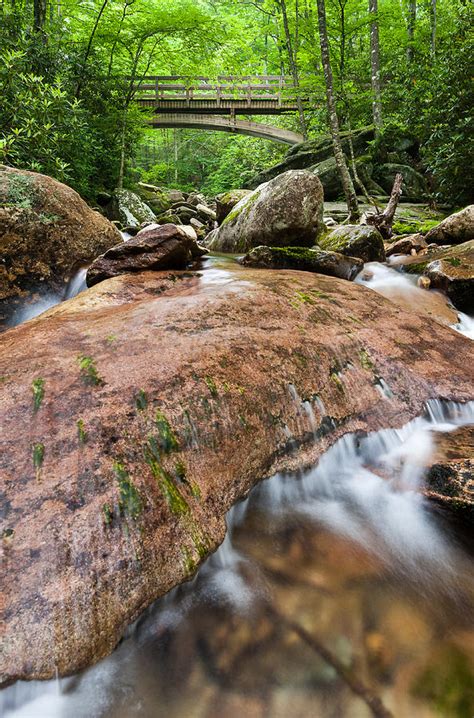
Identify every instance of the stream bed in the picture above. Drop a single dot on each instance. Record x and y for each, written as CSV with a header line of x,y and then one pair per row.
x,y
330,580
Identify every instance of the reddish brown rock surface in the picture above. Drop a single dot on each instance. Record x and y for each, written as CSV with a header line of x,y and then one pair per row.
x,y
135,415
46,230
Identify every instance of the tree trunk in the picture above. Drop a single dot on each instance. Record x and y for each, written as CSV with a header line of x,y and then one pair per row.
x,y
346,180
411,30
39,15
293,66
383,222
375,65
433,20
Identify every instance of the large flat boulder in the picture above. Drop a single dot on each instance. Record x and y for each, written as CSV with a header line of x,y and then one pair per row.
x,y
136,414
155,247
287,211
46,230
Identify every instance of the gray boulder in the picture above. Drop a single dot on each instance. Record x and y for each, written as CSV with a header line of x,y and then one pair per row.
x,y
287,211
455,229
414,186
303,259
129,209
356,240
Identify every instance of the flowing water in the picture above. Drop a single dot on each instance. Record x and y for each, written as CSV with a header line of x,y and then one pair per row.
x,y
333,587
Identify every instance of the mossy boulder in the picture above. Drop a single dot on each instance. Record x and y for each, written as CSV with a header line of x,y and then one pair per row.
x,y
455,229
129,209
313,259
156,198
414,187
287,211
356,240
46,230
315,151
226,202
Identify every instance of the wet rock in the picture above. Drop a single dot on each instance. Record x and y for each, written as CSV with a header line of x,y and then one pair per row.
x,y
455,229
452,271
356,240
405,245
129,209
226,202
46,229
301,258
423,282
155,247
287,211
164,399
450,476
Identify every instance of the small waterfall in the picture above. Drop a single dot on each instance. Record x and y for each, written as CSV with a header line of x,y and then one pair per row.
x,y
402,288
76,284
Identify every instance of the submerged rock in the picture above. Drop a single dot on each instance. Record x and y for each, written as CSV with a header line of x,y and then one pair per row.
x,y
301,258
155,247
136,414
356,240
455,229
46,229
287,211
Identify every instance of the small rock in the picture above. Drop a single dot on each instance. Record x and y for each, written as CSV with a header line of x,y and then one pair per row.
x,y
424,282
206,213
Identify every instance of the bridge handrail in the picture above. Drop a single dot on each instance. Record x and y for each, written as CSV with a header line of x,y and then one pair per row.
x,y
260,87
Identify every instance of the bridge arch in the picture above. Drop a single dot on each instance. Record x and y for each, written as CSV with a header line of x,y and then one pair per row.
x,y
226,124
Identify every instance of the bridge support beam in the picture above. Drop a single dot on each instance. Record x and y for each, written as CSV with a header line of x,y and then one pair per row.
x,y
227,124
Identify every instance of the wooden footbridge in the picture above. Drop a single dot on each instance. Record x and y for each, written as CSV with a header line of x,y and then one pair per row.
x,y
200,102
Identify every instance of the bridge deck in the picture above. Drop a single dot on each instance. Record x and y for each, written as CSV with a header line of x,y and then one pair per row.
x,y
262,95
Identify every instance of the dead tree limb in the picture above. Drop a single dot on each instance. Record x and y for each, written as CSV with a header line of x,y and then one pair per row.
x,y
383,222
355,684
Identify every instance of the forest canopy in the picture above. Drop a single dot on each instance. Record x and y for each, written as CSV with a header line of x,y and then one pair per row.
x,y
68,72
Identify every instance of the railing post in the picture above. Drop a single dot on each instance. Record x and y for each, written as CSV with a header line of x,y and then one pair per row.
x,y
280,87
157,82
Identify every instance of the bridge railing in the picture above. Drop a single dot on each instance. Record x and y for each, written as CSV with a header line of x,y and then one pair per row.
x,y
274,88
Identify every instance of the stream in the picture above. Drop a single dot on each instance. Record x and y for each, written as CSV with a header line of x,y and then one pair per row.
x,y
348,550
336,590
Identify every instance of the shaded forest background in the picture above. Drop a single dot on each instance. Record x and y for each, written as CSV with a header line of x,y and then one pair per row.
x,y
68,70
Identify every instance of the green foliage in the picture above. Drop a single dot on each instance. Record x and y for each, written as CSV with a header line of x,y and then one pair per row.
x,y
38,456
38,392
130,501
89,371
